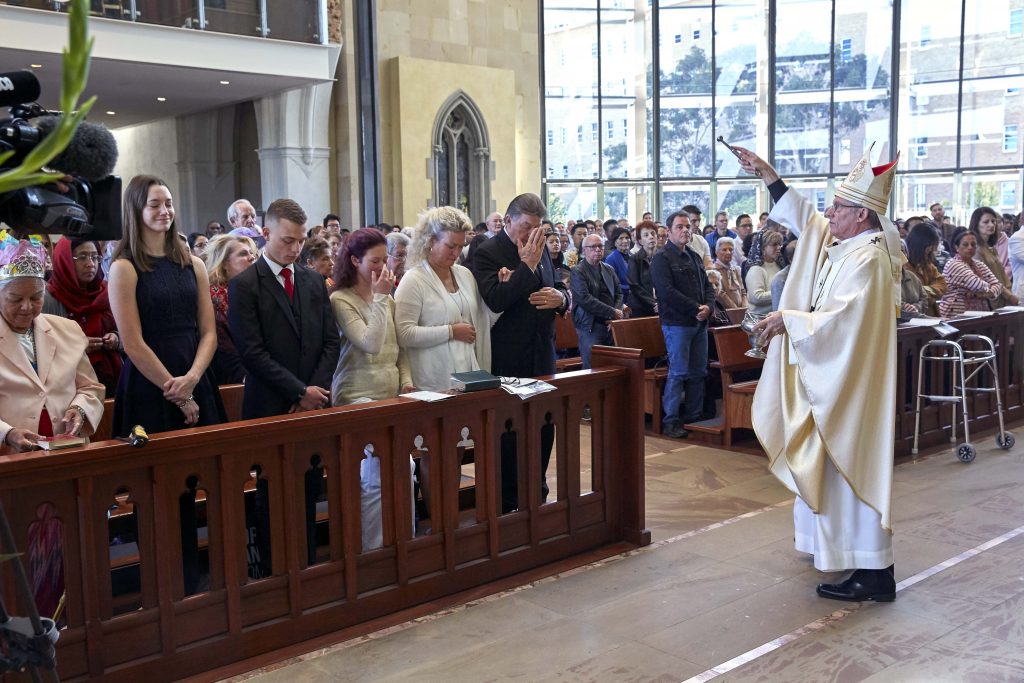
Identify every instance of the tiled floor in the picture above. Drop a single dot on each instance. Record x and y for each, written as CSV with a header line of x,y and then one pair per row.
x,y
702,598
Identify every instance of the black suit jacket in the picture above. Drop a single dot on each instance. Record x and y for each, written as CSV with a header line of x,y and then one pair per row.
x,y
285,346
523,339
596,294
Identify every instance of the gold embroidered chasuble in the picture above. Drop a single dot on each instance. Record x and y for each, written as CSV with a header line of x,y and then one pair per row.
x,y
828,388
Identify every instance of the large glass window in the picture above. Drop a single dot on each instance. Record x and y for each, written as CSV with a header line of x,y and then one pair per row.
x,y
645,89
740,117
929,84
571,202
1001,191
626,93
571,87
863,81
803,81
991,109
685,88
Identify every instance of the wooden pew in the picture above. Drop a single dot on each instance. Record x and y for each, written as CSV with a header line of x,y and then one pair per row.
x,y
566,339
736,314
190,605
737,396
645,334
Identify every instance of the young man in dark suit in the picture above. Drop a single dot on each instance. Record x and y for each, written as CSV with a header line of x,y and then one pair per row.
x,y
523,339
282,323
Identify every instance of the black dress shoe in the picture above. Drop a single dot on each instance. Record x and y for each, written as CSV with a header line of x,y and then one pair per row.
x,y
674,430
878,585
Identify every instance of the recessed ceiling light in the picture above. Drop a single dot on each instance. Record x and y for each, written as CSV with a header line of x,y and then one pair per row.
x,y
36,66
225,82
161,99
111,113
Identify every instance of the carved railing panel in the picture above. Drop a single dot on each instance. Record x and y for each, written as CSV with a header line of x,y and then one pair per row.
x,y
215,544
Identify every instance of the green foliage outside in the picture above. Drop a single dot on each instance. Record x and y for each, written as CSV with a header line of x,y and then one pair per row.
x,y
687,133
556,209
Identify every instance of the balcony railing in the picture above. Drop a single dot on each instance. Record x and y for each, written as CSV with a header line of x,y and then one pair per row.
x,y
294,20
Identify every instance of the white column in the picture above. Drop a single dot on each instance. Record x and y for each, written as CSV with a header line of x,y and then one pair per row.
x,y
294,151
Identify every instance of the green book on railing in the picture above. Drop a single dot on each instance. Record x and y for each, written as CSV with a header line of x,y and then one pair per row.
x,y
474,380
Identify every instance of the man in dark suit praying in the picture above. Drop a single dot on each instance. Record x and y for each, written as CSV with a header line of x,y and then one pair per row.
x,y
282,323
523,339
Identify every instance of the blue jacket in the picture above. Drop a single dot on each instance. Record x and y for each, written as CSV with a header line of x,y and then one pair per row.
x,y
621,265
680,285
712,239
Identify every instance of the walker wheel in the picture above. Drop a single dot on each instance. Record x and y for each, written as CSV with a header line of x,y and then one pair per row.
x,y
966,453
1005,440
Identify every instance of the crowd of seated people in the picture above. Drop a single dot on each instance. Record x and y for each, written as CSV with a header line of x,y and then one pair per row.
x,y
405,308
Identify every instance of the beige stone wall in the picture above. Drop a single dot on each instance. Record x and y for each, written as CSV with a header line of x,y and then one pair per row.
x,y
449,38
489,49
419,87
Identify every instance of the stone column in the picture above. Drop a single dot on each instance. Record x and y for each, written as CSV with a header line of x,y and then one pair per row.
x,y
346,162
207,168
294,150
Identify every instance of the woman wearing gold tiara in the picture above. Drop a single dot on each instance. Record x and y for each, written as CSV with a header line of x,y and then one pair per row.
x,y
49,389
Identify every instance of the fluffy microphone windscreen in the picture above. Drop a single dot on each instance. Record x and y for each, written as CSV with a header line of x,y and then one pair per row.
x,y
91,154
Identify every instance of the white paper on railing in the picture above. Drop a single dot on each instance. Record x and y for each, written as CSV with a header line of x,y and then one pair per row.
x,y
1010,309
938,324
976,314
921,322
525,388
429,396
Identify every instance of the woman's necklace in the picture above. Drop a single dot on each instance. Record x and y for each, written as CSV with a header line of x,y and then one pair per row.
x,y
457,298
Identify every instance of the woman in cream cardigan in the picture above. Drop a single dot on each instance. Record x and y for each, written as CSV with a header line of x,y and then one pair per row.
x,y
442,322
370,366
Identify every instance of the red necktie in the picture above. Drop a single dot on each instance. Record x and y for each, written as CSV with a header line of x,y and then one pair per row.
x,y
289,289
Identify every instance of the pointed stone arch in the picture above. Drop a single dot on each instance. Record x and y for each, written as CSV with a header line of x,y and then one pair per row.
x,y
460,162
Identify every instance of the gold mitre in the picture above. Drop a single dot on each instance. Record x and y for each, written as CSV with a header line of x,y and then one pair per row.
x,y
867,186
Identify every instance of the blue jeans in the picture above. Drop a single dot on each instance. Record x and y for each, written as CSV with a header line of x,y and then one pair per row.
x,y
687,367
600,336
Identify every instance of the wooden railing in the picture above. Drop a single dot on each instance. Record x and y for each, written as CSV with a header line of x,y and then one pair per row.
x,y
161,546
1007,330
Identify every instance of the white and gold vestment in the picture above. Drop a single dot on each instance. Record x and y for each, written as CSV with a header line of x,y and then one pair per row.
x,y
825,404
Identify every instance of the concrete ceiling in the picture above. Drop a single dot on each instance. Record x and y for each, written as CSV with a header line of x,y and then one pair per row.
x,y
131,89
134,64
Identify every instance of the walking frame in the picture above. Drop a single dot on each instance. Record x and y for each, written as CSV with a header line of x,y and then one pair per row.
x,y
972,352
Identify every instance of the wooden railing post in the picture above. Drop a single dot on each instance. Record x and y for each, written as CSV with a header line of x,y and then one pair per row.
x,y
625,450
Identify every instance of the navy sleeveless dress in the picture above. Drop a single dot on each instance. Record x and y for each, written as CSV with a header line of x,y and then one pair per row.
x,y
166,297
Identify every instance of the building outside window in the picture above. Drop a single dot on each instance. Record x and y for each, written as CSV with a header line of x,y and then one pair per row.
x,y
1008,196
956,119
1010,137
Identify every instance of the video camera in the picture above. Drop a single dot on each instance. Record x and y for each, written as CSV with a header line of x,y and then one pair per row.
x,y
91,205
